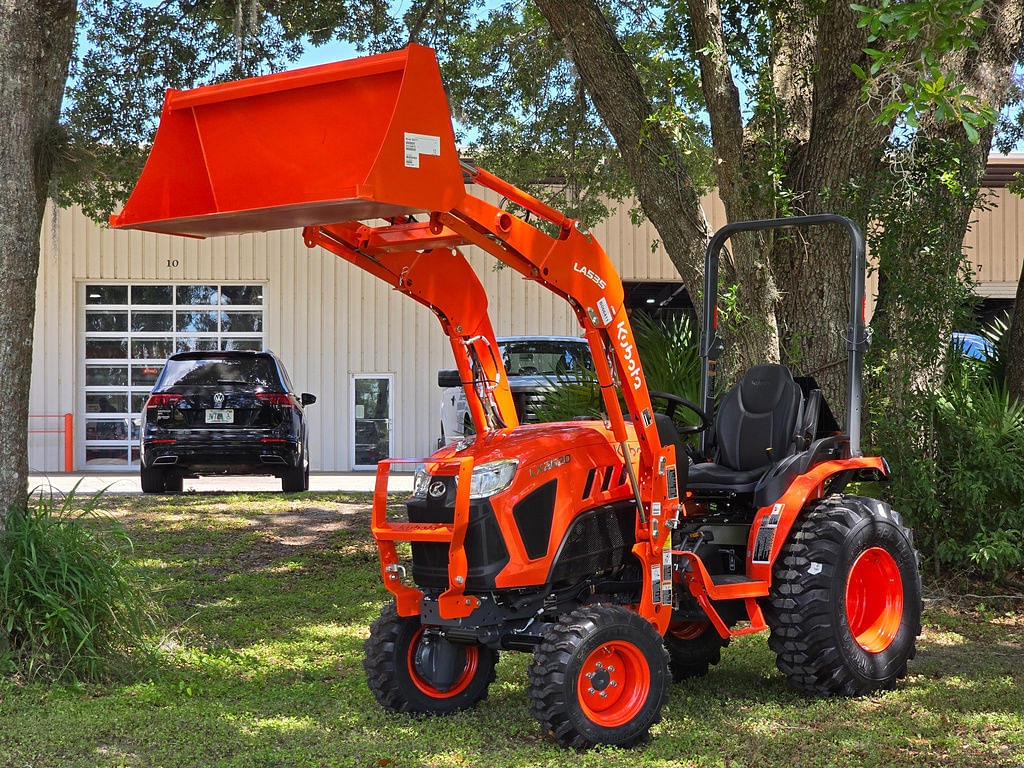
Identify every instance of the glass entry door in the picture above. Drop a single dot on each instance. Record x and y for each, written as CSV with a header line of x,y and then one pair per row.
x,y
372,419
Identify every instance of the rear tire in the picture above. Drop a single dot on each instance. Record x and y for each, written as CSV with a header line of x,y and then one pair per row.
x,y
152,479
297,479
845,604
594,650
391,674
693,647
173,483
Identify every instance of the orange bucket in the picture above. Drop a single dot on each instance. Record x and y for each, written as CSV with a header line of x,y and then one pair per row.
x,y
359,139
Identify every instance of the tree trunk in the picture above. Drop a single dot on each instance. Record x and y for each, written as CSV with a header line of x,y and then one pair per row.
x,y
36,39
664,188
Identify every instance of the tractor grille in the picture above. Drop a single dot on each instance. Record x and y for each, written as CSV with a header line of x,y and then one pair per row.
x,y
486,554
599,540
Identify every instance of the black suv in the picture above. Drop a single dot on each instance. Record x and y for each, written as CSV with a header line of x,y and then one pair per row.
x,y
224,413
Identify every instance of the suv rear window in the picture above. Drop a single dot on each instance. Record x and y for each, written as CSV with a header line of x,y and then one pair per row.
x,y
216,371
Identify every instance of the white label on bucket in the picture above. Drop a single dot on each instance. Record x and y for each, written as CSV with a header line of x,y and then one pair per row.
x,y
417,144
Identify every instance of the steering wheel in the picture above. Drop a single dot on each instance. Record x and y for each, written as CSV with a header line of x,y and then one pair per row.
x,y
673,401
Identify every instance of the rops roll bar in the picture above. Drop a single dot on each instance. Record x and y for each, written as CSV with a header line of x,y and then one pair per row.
x,y
856,331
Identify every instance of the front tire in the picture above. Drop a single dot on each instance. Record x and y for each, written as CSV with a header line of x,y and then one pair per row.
x,y
845,604
599,676
391,670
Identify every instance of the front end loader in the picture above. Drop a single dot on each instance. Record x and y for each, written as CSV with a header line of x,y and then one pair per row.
x,y
611,550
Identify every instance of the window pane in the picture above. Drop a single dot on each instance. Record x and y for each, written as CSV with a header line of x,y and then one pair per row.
x,y
136,427
139,400
152,294
242,322
192,343
106,348
197,321
95,455
234,344
106,321
106,294
106,402
106,376
151,349
106,429
135,454
145,375
152,321
197,294
241,294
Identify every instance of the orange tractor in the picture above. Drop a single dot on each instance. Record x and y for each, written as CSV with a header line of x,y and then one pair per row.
x,y
614,552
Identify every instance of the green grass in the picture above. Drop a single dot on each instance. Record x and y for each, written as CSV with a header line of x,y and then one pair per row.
x,y
271,597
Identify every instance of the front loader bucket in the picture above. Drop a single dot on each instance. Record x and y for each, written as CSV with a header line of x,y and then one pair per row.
x,y
359,139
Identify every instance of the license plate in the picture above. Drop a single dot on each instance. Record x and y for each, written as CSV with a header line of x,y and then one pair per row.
x,y
220,415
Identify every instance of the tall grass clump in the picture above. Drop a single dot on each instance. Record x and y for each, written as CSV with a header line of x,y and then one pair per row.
x,y
72,604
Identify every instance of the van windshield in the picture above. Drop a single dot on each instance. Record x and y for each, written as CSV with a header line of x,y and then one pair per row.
x,y
214,371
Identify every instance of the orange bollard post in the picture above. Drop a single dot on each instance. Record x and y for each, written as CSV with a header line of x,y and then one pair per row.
x,y
69,443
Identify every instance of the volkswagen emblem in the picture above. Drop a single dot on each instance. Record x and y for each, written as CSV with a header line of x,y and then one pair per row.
x,y
218,399
436,488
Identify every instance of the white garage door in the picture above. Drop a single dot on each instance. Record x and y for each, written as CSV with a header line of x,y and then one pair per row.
x,y
129,331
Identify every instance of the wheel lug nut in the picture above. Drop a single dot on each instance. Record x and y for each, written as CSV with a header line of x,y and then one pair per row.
x,y
613,683
598,665
603,694
589,675
611,669
590,690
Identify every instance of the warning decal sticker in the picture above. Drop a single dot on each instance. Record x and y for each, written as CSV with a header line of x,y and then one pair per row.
x,y
417,144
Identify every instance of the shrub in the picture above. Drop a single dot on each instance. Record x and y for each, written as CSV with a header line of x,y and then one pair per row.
x,y
668,351
958,472
71,603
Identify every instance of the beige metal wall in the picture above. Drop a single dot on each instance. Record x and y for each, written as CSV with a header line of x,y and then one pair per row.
x,y
328,320
996,243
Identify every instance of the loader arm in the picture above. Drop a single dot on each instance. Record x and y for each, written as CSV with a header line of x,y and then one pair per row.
x,y
426,275
326,148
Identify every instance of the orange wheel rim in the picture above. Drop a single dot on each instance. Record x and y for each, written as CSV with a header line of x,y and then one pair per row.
x,y
463,681
688,630
874,600
613,684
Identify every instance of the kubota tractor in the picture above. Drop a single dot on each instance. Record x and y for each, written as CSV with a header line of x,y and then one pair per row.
x,y
610,550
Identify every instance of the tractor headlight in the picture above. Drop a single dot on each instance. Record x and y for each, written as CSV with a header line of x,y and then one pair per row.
x,y
420,482
492,477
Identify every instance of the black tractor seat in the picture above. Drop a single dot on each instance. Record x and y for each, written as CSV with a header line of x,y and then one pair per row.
x,y
759,423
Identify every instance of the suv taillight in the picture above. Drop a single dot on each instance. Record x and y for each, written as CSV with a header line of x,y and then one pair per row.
x,y
277,398
162,401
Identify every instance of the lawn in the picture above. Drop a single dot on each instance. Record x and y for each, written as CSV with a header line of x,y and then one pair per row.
x,y
268,600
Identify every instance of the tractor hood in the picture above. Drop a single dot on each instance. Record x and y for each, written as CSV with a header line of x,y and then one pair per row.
x,y
535,444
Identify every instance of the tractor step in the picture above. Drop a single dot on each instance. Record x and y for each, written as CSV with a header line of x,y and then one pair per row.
x,y
725,579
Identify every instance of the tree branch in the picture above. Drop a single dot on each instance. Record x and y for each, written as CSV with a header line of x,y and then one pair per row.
x,y
664,188
721,97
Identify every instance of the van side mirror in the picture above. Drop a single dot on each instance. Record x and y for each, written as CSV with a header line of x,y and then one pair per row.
x,y
307,399
448,378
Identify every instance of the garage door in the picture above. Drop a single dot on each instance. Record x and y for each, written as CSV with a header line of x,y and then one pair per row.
x,y
130,330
